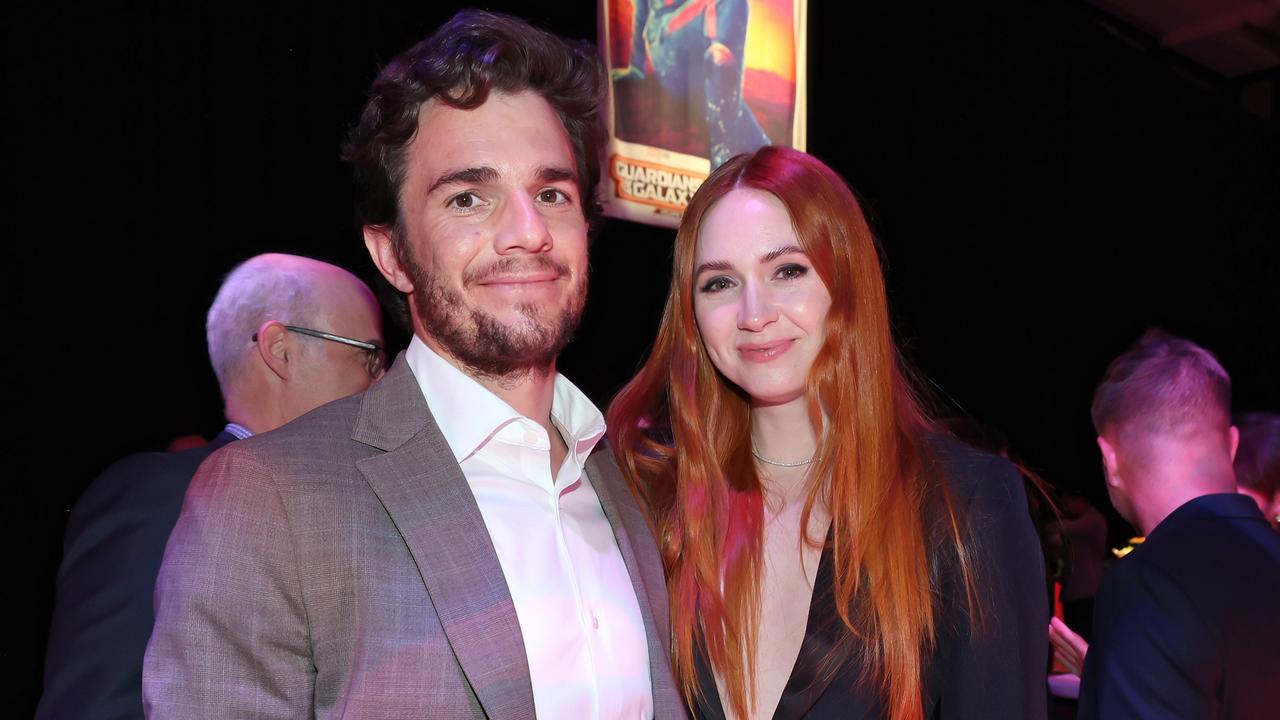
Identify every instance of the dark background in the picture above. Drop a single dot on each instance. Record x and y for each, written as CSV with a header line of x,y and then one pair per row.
x,y
1046,185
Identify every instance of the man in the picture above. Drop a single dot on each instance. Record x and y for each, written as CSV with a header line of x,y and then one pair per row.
x,y
286,334
456,542
1184,626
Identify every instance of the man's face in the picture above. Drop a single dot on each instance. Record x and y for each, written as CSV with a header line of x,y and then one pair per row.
x,y
494,234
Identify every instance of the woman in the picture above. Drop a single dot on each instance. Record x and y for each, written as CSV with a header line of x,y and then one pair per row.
x,y
828,555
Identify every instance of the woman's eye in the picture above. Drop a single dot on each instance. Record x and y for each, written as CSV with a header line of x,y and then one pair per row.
x,y
716,284
551,196
791,272
464,201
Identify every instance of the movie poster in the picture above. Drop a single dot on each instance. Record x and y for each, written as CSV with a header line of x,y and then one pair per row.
x,y
693,83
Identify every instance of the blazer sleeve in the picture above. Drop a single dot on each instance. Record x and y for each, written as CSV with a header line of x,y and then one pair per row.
x,y
102,615
996,665
1152,655
231,634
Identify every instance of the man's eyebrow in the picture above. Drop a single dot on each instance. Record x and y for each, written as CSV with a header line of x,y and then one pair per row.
x,y
779,252
556,174
465,176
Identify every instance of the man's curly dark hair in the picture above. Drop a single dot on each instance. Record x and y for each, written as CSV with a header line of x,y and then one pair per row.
x,y
472,55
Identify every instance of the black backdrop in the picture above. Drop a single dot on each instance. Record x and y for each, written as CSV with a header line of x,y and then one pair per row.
x,y
1046,186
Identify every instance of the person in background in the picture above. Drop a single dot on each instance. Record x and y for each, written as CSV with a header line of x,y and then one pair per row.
x,y
829,555
1257,468
1082,533
1184,626
1084,540
286,334
1257,461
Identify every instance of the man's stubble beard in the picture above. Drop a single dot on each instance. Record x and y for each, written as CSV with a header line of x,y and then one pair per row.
x,y
484,345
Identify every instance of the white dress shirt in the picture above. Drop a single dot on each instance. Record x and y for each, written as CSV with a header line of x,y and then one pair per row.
x,y
581,625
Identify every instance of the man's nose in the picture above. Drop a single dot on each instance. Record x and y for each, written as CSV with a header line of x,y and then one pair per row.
x,y
523,228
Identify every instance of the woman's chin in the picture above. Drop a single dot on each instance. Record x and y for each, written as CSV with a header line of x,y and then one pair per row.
x,y
774,397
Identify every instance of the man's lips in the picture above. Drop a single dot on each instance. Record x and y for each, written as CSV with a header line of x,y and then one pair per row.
x,y
520,279
517,274
766,351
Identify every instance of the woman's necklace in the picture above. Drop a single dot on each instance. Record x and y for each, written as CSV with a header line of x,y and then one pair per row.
x,y
778,463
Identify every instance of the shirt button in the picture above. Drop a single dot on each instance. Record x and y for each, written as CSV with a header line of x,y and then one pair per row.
x,y
595,623
531,437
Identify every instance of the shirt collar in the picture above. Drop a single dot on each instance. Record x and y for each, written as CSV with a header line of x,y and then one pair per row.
x,y
238,431
1232,505
468,414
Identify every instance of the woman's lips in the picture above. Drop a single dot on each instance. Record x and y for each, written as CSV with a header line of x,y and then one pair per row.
x,y
765,352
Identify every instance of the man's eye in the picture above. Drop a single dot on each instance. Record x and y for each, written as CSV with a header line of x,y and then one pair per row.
x,y
551,196
464,201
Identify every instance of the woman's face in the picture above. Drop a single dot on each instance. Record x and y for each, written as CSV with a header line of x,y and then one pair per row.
x,y
760,305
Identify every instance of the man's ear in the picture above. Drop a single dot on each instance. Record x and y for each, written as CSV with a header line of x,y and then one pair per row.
x,y
377,239
1233,435
1109,462
274,346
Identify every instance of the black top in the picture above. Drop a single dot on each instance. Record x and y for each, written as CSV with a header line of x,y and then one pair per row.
x,y
997,673
1186,625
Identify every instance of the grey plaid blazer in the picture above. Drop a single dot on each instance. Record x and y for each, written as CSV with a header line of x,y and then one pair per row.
x,y
339,567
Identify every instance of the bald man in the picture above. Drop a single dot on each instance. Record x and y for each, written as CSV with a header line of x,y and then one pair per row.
x,y
286,334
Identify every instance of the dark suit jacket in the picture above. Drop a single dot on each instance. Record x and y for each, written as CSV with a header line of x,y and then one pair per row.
x,y
102,616
339,566
996,673
1186,626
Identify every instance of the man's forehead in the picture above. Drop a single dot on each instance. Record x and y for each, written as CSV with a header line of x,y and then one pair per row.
x,y
509,134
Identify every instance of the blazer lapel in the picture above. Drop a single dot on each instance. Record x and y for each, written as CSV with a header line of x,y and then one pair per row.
x,y
644,565
420,484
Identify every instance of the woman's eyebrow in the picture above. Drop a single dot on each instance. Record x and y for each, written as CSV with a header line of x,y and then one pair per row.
x,y
712,265
779,252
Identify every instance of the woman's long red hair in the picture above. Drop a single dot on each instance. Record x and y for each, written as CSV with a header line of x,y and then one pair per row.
x,y
701,486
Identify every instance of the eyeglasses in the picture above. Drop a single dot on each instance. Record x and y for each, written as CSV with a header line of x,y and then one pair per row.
x,y
375,355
